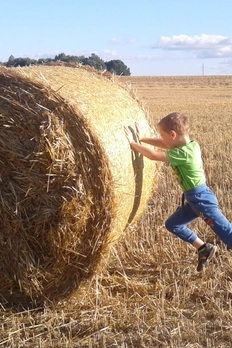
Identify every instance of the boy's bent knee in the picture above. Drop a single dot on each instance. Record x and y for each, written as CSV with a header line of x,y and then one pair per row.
x,y
169,225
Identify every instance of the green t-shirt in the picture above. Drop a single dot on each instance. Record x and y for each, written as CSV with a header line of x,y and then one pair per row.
x,y
187,164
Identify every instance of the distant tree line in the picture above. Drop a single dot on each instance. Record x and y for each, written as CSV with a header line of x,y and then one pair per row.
x,y
116,67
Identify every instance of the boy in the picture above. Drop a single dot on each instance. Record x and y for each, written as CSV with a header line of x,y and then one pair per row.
x,y
198,200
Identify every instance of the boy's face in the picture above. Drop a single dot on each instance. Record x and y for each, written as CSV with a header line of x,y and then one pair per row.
x,y
168,138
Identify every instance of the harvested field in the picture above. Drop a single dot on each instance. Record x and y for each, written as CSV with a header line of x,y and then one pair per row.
x,y
150,294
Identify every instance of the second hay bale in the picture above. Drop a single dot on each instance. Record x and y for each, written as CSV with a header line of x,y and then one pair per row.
x,y
70,183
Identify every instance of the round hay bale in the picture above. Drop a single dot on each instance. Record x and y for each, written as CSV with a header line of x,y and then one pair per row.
x,y
70,184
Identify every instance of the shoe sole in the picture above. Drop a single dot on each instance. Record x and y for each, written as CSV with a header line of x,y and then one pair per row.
x,y
211,255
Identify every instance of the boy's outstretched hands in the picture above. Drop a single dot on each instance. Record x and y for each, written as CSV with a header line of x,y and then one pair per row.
x,y
138,134
134,138
131,135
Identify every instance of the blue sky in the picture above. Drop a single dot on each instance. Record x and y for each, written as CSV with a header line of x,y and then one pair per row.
x,y
166,37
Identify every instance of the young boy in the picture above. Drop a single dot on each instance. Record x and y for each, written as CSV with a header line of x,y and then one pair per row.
x,y
198,200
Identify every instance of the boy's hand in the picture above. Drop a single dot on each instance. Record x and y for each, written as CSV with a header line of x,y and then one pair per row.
x,y
129,135
138,134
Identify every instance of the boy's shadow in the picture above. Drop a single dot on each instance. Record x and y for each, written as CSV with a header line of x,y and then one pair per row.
x,y
138,165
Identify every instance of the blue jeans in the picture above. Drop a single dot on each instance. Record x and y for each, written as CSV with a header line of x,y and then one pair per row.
x,y
199,202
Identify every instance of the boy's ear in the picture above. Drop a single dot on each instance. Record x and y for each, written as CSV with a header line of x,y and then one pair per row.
x,y
173,134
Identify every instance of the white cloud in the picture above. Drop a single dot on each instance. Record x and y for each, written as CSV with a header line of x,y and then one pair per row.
x,y
223,52
111,53
117,41
139,57
192,42
206,46
114,40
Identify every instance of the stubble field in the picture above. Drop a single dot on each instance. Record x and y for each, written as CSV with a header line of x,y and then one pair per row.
x,y
149,294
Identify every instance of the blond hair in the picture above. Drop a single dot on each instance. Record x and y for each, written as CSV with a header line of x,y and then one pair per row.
x,y
175,121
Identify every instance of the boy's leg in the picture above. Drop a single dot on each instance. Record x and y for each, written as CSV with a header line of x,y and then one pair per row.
x,y
177,224
178,221
206,206
219,224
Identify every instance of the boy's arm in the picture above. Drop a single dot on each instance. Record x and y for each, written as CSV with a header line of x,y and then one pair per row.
x,y
158,142
149,153
155,142
145,151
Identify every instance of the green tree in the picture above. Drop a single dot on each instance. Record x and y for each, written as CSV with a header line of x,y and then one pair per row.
x,y
67,58
18,62
61,56
10,61
95,61
75,59
44,60
117,67
11,58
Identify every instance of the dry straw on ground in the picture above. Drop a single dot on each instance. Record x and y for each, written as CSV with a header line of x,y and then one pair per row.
x,y
70,184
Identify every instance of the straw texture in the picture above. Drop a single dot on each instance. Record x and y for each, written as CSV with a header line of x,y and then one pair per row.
x,y
70,184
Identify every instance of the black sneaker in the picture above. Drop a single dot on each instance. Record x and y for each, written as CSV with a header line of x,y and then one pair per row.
x,y
205,255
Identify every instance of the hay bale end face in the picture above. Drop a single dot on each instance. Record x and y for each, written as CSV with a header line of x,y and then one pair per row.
x,y
70,184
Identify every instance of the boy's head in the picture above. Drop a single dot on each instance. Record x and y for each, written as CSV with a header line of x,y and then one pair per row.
x,y
175,122
174,128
